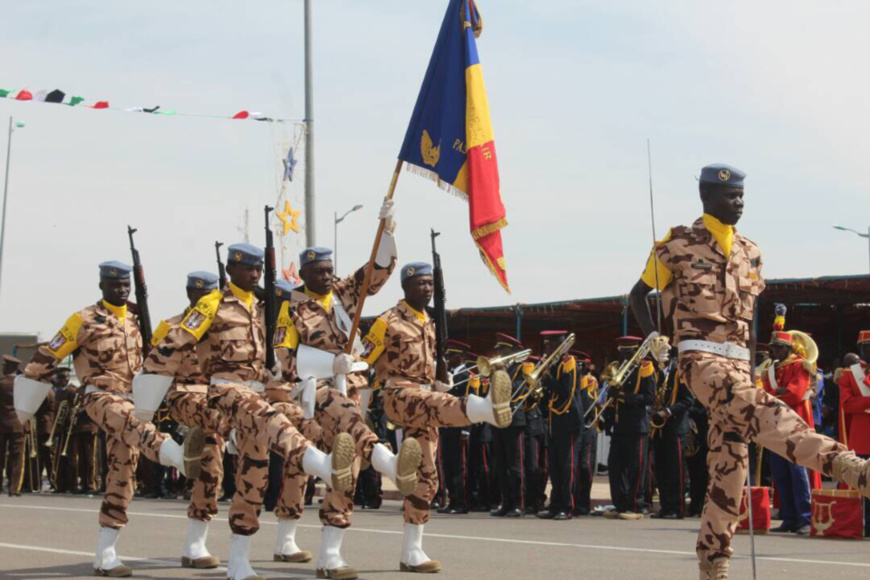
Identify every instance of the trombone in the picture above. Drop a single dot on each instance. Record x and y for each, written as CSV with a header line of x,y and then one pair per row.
x,y
534,378
485,365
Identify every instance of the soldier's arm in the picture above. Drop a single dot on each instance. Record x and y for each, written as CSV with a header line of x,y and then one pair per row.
x,y
286,343
657,274
168,354
43,364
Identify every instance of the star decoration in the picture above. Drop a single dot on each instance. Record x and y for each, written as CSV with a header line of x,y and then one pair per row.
x,y
289,165
290,218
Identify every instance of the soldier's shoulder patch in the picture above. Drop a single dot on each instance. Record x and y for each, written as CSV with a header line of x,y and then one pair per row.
x,y
374,341
160,332
286,334
66,340
199,319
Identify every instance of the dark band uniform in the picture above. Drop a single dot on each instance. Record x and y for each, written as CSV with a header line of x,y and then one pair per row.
x,y
669,444
454,441
534,449
508,443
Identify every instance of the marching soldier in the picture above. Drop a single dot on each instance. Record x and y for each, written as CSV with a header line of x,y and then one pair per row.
x,y
566,405
628,461
11,430
227,331
588,439
855,406
669,440
187,404
788,379
714,275
106,345
313,328
508,443
401,348
534,450
453,445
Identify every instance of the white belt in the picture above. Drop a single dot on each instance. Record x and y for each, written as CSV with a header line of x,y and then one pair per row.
x,y
726,349
92,389
255,386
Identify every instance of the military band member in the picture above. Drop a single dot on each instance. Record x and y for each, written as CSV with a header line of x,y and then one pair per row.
x,y
106,345
714,275
855,406
401,348
788,379
453,441
313,325
187,403
11,430
508,443
628,460
227,331
534,448
566,407
586,458
669,441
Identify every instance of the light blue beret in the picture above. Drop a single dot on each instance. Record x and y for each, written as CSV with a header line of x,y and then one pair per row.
x,y
245,254
315,254
416,269
201,280
283,288
721,174
114,270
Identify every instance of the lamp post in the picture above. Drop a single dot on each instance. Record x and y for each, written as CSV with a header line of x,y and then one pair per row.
x,y
863,235
338,220
12,127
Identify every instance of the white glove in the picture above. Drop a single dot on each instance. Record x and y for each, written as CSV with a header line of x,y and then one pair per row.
x,y
342,364
440,387
388,214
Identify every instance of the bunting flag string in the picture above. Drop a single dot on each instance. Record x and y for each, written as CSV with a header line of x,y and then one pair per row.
x,y
59,97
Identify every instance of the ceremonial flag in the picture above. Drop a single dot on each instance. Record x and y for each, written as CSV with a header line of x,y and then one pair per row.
x,y
450,137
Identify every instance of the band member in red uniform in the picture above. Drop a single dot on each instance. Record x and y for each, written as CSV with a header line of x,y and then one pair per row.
x,y
855,406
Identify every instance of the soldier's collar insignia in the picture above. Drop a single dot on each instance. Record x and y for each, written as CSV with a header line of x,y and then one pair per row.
x,y
724,175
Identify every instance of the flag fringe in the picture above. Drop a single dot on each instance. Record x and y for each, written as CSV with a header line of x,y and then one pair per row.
x,y
492,228
492,268
434,177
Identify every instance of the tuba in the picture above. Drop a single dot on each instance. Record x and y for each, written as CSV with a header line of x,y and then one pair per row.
x,y
805,347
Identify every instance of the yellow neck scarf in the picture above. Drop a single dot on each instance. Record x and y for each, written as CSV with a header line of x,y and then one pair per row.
x,y
246,298
120,312
724,235
324,299
421,316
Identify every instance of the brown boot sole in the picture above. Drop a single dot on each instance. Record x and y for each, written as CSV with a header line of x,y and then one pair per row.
x,y
205,563
192,448
346,573
117,572
410,456
501,390
297,558
343,454
430,567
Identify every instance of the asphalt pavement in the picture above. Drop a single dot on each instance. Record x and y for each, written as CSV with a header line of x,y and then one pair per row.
x,y
49,536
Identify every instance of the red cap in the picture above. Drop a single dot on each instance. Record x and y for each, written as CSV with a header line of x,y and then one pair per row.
x,y
457,346
506,340
628,341
552,333
781,338
863,336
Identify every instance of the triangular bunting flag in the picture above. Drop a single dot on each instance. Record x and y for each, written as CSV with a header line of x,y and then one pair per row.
x,y
100,105
241,115
40,96
55,96
24,96
75,101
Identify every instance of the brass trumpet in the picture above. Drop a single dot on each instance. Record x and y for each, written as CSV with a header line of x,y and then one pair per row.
x,y
59,419
534,378
485,365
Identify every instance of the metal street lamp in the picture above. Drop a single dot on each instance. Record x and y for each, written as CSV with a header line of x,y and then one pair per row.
x,y
863,235
338,220
12,127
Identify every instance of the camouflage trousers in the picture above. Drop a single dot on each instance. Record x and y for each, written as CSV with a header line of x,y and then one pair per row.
x,y
333,413
740,412
125,438
259,429
191,409
420,413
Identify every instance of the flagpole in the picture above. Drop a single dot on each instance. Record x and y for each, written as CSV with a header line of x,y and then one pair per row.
x,y
370,267
5,193
310,227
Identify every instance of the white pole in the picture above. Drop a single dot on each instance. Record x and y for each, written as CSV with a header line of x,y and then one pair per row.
x,y
5,195
310,228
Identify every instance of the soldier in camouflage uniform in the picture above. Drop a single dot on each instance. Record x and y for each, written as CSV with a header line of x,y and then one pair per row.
x,y
187,402
714,276
227,331
401,348
313,326
106,345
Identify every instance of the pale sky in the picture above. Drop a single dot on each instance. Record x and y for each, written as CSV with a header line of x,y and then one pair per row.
x,y
778,89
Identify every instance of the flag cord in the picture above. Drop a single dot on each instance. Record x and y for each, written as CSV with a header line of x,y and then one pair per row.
x,y
370,267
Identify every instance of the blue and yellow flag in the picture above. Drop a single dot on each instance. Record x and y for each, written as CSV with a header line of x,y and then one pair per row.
x,y
450,137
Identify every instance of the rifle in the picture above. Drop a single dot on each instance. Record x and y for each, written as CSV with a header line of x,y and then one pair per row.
x,y
222,270
440,308
269,291
141,293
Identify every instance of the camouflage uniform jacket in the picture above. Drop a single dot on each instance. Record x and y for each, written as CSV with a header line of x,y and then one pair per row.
x,y
188,378
304,320
401,346
714,294
227,336
106,351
